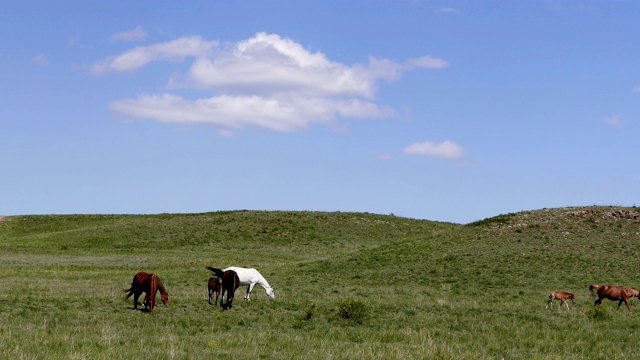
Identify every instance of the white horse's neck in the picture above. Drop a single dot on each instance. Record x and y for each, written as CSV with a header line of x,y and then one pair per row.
x,y
263,282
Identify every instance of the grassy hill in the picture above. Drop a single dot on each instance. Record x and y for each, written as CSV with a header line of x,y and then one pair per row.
x,y
348,285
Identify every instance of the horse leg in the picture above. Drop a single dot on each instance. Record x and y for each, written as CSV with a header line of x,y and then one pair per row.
x,y
565,302
230,296
249,290
627,303
550,303
210,295
136,296
222,298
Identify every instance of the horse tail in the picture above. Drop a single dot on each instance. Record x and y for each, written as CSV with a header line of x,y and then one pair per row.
x,y
129,290
217,272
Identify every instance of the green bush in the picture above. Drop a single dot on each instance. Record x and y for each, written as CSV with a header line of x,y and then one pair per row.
x,y
598,313
352,309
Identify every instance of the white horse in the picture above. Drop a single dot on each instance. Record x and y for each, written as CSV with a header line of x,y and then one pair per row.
x,y
252,277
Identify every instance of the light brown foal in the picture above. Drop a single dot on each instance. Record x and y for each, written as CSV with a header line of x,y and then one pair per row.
x,y
562,296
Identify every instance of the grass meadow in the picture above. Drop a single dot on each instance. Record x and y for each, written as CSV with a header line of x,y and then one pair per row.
x,y
348,285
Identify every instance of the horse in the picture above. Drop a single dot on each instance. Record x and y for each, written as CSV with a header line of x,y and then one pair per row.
x,y
215,286
620,293
249,277
562,296
149,284
230,283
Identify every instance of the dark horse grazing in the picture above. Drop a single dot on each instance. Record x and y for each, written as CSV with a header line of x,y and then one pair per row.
x,y
230,283
149,284
562,296
620,293
215,286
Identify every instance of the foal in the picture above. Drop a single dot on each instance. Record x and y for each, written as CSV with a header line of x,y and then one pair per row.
x,y
215,286
562,296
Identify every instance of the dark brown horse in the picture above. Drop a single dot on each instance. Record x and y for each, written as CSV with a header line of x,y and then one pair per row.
x,y
149,284
619,293
230,283
562,296
215,287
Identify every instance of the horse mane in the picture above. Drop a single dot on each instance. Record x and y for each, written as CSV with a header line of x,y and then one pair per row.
x,y
217,272
159,284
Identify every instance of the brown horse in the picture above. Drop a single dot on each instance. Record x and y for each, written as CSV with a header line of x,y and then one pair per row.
x,y
562,296
620,293
215,286
149,284
230,283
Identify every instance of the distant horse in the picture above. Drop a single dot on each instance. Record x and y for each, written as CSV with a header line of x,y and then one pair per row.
x,y
230,283
215,286
562,296
149,284
620,293
249,277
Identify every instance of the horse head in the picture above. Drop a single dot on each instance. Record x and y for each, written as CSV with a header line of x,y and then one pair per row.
x,y
165,298
270,292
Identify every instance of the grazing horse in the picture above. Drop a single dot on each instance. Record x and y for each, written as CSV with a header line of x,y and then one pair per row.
x,y
620,293
230,283
149,284
215,286
562,296
249,277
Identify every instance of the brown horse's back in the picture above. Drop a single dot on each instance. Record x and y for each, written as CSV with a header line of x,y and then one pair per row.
x,y
140,282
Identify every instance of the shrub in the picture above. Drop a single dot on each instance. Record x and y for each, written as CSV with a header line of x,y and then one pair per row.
x,y
598,313
352,309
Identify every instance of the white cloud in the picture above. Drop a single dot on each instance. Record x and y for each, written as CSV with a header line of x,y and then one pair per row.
x,y
266,81
136,34
612,120
445,149
238,112
176,50
40,59
428,62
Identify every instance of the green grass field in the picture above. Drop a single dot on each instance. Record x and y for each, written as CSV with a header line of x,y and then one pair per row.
x,y
348,286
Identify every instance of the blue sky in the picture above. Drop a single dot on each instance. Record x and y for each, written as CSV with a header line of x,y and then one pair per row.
x,y
440,110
